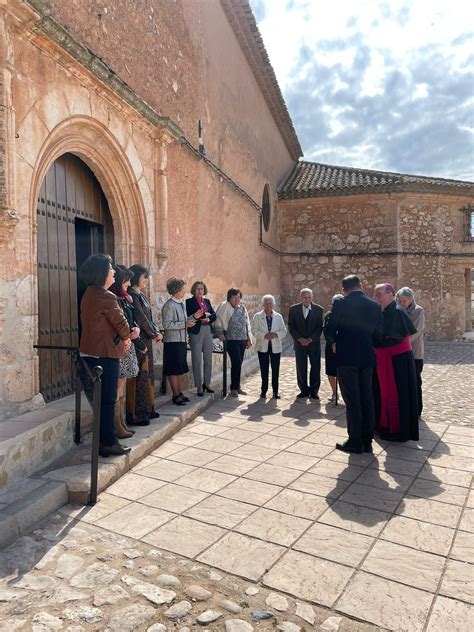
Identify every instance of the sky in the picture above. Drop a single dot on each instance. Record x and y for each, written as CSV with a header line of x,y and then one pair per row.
x,y
375,84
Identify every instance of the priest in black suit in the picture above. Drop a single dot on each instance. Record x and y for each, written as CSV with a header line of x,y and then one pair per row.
x,y
355,325
305,324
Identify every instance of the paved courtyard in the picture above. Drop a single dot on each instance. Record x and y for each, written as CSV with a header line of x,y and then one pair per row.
x,y
250,508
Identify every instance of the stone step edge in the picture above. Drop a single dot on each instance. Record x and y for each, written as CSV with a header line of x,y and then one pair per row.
x,y
77,478
26,513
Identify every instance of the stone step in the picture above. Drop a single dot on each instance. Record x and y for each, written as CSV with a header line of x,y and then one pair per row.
x,y
77,477
25,504
32,441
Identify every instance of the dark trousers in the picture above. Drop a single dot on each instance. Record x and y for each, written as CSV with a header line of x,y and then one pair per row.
x,y
265,359
236,350
302,354
108,396
419,370
356,389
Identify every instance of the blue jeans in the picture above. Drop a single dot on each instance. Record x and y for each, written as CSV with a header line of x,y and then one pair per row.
x,y
108,396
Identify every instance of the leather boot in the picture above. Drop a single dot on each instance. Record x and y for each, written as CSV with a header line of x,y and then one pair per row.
x,y
120,430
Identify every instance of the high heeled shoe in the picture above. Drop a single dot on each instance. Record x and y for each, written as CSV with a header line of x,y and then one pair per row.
x,y
200,392
206,389
178,401
184,398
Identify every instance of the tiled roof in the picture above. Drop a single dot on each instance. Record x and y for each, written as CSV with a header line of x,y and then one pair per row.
x,y
312,179
242,21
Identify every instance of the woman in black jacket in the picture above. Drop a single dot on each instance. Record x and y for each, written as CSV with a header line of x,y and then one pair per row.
x,y
200,336
141,390
128,364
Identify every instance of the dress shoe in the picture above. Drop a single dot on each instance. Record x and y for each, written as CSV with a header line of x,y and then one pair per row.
x,y
177,401
276,396
206,389
314,396
142,422
116,449
302,396
234,393
184,398
368,447
200,392
348,447
154,414
263,395
241,392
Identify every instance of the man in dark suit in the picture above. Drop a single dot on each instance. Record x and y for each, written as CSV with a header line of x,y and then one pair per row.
x,y
355,325
305,324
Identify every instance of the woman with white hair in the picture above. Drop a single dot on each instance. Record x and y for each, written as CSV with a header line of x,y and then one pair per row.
x,y
269,330
405,298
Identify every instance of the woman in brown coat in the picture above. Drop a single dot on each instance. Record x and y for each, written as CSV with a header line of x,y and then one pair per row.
x,y
104,341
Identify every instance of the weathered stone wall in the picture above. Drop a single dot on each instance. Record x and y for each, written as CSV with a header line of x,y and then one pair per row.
x,y
170,211
422,235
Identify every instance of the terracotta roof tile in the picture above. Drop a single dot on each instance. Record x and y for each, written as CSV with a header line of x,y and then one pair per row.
x,y
313,179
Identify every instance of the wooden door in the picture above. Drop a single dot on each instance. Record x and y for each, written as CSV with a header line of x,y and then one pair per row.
x,y
70,204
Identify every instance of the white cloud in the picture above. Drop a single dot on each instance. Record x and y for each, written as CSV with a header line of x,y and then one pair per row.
x,y
376,72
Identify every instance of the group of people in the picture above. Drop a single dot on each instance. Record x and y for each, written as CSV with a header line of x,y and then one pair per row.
x,y
118,331
378,356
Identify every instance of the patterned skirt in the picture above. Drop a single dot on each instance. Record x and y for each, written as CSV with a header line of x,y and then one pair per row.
x,y
129,364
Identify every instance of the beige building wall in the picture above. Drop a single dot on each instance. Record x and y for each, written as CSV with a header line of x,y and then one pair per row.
x,y
171,211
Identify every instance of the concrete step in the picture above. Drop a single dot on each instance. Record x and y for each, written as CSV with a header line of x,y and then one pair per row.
x,y
32,441
24,505
74,468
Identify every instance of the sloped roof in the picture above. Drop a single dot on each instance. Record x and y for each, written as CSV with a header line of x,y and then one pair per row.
x,y
242,21
313,179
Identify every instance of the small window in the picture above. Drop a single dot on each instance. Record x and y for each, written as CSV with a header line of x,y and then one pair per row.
x,y
468,222
266,207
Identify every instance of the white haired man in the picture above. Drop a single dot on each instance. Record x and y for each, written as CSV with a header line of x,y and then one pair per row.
x,y
269,330
305,324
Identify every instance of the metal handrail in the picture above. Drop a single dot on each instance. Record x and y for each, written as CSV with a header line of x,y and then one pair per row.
x,y
95,377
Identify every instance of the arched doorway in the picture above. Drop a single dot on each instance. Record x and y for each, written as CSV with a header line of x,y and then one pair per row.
x,y
73,222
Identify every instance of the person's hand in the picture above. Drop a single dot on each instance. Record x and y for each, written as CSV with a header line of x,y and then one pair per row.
x,y
221,337
198,314
145,350
158,338
268,336
302,341
248,344
333,347
273,334
190,323
134,333
127,344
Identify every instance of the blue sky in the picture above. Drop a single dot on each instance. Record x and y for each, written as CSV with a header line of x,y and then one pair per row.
x,y
376,84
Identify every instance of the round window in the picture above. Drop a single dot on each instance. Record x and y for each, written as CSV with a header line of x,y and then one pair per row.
x,y
266,207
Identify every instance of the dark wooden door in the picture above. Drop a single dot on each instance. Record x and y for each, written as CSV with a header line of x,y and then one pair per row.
x,y
73,222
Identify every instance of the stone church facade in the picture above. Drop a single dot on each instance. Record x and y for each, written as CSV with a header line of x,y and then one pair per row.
x,y
386,227
99,150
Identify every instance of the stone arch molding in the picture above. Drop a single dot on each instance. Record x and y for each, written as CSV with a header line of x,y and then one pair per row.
x,y
93,143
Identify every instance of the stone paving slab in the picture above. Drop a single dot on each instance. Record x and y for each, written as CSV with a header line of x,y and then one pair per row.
x,y
254,491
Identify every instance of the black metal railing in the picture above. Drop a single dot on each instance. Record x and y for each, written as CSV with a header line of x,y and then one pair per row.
x,y
90,381
220,348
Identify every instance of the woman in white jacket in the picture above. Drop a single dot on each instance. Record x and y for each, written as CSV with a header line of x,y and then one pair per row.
x,y
269,330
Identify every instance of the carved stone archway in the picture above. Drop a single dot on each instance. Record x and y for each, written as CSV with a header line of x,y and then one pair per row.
x,y
93,143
